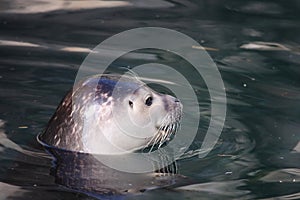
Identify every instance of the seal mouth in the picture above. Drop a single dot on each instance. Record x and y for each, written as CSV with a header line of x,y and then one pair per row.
x,y
164,134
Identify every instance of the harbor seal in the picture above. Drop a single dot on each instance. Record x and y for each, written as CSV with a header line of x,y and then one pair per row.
x,y
112,114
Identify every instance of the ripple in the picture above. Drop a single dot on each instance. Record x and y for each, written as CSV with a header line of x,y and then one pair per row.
x,y
265,46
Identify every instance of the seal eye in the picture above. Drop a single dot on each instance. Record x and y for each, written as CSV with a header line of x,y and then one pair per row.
x,y
148,101
130,104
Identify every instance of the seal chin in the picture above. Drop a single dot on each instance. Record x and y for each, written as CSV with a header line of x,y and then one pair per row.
x,y
163,135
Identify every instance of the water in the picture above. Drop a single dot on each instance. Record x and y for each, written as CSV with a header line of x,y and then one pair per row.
x,y
256,48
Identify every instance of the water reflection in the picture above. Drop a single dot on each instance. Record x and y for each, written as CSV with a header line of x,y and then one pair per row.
x,y
85,173
215,189
42,6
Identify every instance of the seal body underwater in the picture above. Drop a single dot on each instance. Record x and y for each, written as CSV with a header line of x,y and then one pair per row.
x,y
112,114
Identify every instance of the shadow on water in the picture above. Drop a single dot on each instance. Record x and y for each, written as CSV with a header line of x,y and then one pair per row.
x,y
254,44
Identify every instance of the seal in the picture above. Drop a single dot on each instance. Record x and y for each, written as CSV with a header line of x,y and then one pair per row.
x,y
112,114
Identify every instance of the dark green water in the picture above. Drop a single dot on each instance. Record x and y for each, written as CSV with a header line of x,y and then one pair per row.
x,y
255,44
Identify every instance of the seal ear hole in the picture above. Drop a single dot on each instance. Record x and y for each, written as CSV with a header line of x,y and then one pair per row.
x,y
148,101
130,104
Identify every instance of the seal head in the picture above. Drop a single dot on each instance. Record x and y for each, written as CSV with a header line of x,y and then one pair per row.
x,y
110,114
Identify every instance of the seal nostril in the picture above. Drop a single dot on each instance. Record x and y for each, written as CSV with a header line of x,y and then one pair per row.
x,y
177,100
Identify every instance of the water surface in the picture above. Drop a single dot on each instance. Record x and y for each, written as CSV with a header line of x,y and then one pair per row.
x,y
254,44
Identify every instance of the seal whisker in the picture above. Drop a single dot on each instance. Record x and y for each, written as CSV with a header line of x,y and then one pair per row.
x,y
133,74
155,139
160,135
151,142
161,142
165,131
166,134
175,128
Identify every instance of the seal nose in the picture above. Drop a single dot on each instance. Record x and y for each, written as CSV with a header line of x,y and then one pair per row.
x,y
177,100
